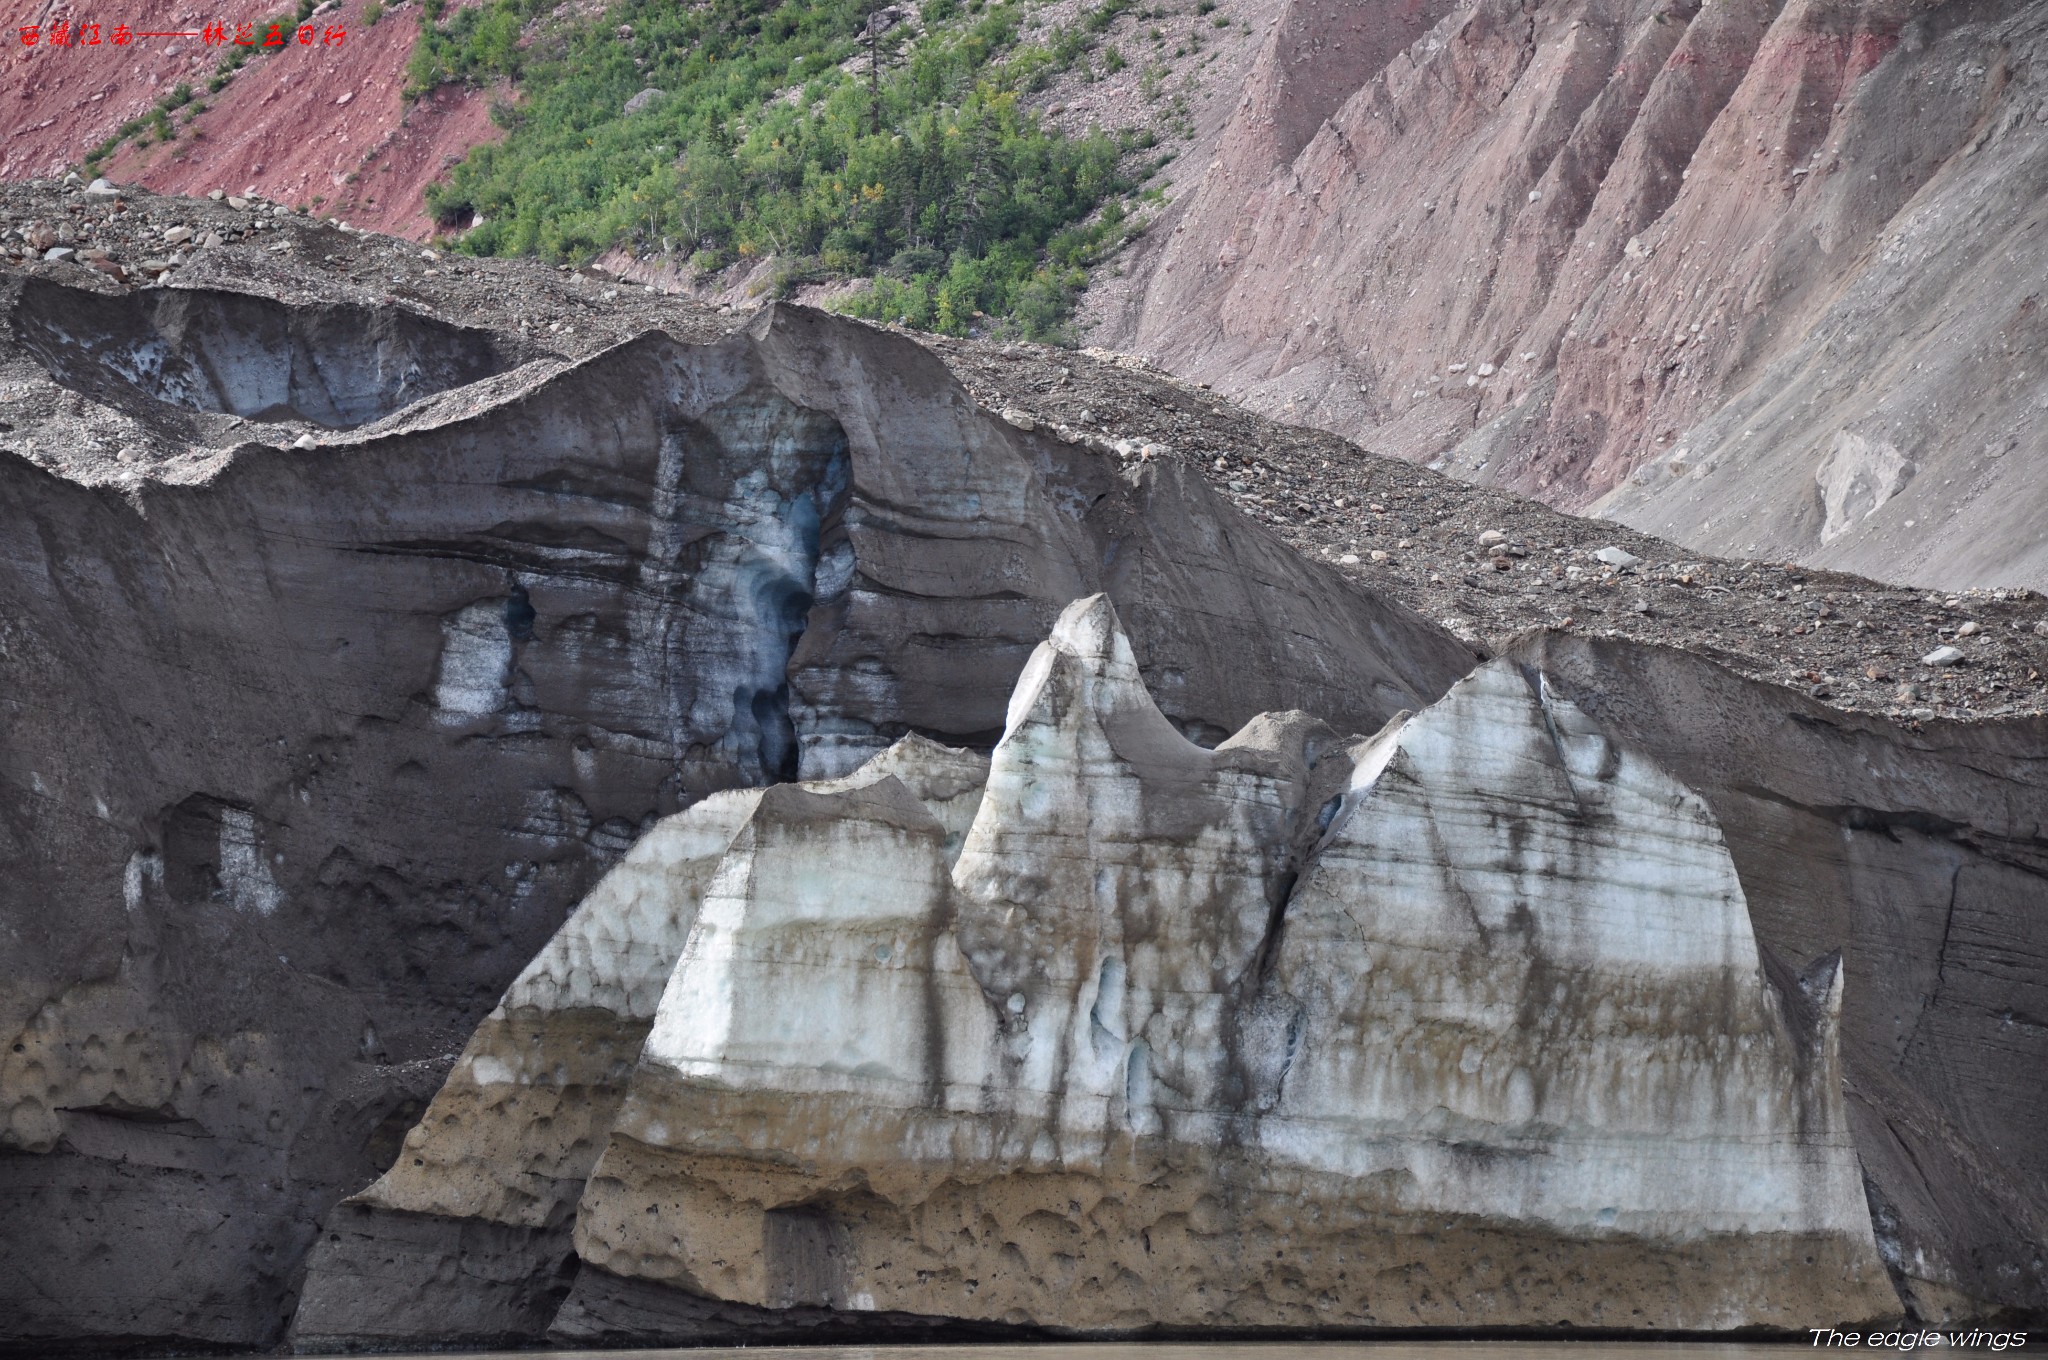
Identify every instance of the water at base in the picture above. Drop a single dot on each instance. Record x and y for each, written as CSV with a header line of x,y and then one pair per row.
x,y
1202,1350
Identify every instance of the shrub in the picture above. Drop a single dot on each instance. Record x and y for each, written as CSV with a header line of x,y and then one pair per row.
x,y
935,186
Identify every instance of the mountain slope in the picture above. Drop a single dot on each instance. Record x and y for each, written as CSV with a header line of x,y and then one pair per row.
x,y
1757,276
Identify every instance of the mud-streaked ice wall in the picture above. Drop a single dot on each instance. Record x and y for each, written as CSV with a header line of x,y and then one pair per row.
x,y
1530,989
1459,1024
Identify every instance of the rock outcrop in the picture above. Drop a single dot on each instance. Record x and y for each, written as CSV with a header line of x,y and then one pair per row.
x,y
1463,1025
334,680
1741,274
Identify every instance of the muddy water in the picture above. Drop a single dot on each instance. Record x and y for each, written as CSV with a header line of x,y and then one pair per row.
x,y
1224,1350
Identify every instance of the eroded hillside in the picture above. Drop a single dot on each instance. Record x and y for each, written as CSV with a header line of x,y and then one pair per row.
x,y
1756,276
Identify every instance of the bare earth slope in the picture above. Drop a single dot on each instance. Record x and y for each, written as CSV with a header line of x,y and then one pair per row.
x,y
1757,276
367,605
318,126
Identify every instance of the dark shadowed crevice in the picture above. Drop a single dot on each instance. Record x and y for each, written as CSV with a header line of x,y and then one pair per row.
x,y
206,350
519,614
748,587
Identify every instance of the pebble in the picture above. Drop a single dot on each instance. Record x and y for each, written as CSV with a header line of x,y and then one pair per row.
x,y
1970,629
59,253
1021,419
178,235
1379,554
304,441
1348,560
1487,539
1943,656
101,188
1618,557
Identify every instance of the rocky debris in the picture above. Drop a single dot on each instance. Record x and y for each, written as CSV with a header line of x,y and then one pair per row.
x,y
1158,1053
1772,620
1414,535
379,148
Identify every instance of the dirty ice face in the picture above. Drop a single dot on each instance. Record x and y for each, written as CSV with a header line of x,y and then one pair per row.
x,y
1485,983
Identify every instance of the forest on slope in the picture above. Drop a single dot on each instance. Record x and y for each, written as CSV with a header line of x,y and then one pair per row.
x,y
844,139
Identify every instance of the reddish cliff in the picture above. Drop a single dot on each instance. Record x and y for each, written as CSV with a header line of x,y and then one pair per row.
x,y
320,125
1754,275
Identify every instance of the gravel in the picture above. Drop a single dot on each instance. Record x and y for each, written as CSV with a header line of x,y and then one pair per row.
x,y
1488,564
